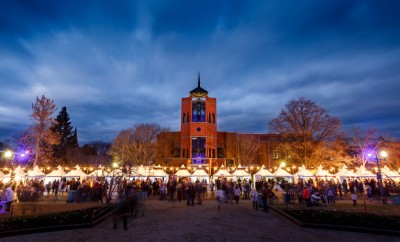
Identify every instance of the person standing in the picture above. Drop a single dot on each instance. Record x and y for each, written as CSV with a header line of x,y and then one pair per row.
x,y
191,194
171,190
179,190
354,198
307,196
212,185
9,198
265,194
340,188
369,192
236,193
254,198
345,188
220,197
331,195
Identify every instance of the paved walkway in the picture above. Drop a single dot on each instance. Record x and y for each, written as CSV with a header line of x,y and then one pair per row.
x,y
164,221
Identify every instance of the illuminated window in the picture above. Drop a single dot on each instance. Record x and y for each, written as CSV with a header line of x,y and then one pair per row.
x,y
198,111
198,149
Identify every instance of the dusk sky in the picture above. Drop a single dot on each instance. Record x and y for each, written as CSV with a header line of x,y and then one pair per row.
x,y
114,64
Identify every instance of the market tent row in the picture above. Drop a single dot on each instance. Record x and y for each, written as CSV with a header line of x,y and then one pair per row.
x,y
154,172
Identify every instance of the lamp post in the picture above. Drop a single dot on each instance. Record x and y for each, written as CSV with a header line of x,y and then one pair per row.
x,y
8,154
383,155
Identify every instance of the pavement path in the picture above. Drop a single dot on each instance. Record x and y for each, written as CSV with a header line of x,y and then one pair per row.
x,y
166,221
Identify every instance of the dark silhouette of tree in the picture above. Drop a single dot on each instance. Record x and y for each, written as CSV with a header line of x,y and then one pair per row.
x,y
307,128
68,141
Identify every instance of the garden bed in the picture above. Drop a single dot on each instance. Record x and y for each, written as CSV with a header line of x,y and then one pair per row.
x,y
340,220
82,218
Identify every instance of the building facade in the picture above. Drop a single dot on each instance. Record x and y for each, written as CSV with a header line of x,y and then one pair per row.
x,y
200,143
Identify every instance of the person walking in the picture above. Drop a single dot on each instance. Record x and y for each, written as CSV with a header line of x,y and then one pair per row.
x,y
121,211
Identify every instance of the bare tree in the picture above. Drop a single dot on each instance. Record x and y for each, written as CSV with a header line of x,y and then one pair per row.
x,y
165,147
42,119
136,145
393,161
245,147
337,153
365,143
102,149
306,128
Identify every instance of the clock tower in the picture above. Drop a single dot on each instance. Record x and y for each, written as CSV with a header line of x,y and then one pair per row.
x,y
199,127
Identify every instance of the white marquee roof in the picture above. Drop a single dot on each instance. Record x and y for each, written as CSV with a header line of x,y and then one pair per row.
x,y
281,173
157,171
264,172
343,172
141,171
303,172
36,172
322,173
76,173
200,172
183,172
222,172
240,172
363,172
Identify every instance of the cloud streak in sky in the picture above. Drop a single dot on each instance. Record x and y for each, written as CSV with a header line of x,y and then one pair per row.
x,y
116,64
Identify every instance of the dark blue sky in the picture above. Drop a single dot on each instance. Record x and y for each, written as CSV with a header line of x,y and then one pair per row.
x,y
117,63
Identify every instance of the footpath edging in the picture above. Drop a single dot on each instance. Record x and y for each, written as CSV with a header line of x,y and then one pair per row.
x,y
335,227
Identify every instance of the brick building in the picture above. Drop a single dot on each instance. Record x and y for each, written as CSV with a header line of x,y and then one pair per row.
x,y
200,143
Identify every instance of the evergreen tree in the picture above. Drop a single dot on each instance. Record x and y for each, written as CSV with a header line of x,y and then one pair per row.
x,y
68,138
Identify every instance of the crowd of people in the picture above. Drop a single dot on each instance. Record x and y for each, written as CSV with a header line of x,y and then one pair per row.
x,y
310,191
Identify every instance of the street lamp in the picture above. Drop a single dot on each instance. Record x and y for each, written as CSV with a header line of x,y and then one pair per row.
x,y
8,154
383,155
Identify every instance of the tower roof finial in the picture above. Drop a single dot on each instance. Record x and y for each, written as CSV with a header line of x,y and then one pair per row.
x,y
198,91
